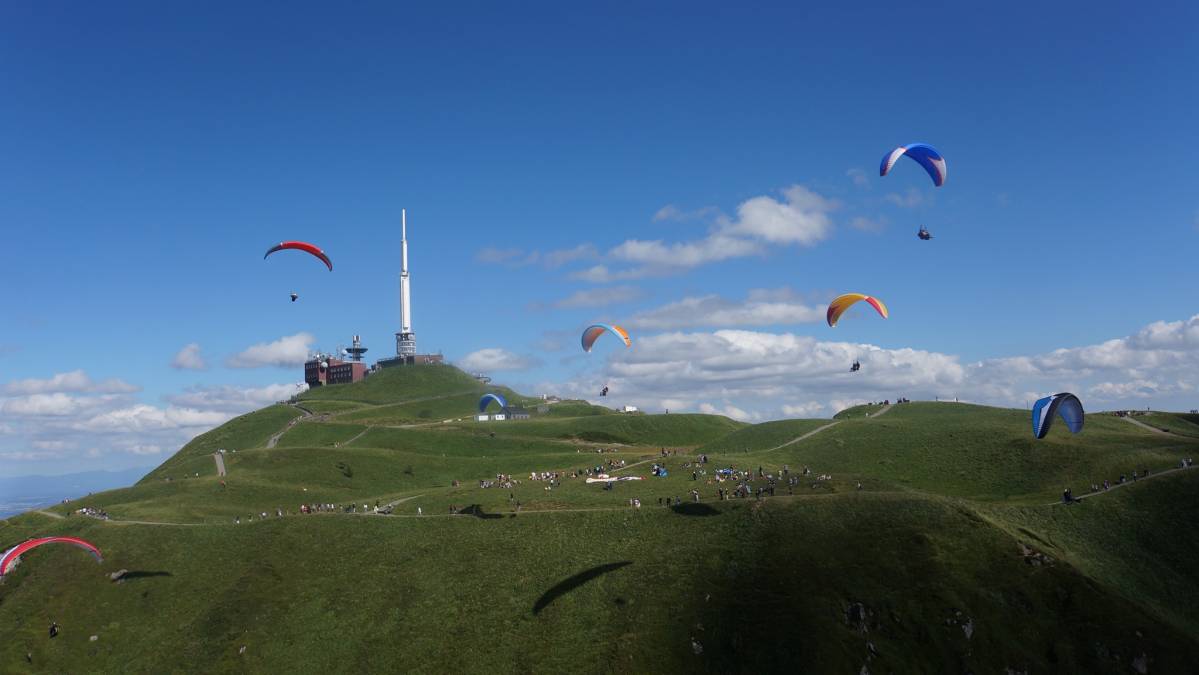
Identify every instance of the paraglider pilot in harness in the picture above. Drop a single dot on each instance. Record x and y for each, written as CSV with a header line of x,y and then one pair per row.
x,y
605,391
924,234
855,367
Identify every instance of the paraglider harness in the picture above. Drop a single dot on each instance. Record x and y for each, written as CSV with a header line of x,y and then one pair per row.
x,y
605,391
855,367
924,234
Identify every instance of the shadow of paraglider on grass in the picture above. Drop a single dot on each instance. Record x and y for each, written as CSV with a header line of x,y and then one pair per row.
x,y
694,509
144,574
569,584
478,512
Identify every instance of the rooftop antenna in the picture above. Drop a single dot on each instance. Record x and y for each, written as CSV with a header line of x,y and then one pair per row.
x,y
355,352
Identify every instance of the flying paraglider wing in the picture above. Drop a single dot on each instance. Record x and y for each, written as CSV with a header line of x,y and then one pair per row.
x,y
593,332
1065,404
924,154
301,246
12,555
843,302
488,398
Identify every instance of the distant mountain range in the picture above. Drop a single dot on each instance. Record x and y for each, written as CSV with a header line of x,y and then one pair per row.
x,y
22,493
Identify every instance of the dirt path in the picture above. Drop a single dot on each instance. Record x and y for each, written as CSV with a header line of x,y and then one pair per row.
x,y
1117,486
220,463
1150,428
275,439
797,439
50,514
357,436
883,411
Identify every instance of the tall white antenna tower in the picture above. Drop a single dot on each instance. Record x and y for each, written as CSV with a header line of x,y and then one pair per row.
x,y
405,339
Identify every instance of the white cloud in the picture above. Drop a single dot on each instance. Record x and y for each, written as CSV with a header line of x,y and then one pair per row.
x,y
142,417
802,218
762,308
809,409
53,405
56,446
762,373
495,359
685,254
598,297
74,381
288,351
59,426
668,212
139,449
189,358
601,274
233,399
910,199
729,411
859,177
554,259
25,456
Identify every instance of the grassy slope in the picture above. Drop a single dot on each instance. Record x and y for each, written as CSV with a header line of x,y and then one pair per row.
x,y
577,409
392,385
764,586
984,453
648,430
762,589
763,436
1139,540
1183,424
248,431
315,435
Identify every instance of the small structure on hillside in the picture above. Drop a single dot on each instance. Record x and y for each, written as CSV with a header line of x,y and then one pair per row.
x,y
628,409
518,414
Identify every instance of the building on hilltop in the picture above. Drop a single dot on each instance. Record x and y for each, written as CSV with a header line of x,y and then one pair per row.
x,y
323,369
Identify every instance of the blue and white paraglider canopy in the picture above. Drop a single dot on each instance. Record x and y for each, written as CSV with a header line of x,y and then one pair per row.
x,y
923,154
1065,404
488,398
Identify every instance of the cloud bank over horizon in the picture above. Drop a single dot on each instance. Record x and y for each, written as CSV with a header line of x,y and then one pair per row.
x,y
751,375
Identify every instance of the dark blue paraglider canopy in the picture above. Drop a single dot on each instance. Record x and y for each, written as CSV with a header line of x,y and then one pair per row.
x,y
1065,404
488,398
923,154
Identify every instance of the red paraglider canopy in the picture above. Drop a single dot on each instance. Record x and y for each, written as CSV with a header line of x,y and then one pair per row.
x,y
301,246
12,555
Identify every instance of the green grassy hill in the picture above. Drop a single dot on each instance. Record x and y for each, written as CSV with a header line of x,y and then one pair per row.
x,y
952,556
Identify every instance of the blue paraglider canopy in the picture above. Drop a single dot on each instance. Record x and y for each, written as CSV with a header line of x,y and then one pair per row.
x,y
488,398
923,154
1065,404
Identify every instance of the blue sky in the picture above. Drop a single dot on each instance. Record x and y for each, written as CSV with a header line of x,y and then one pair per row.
x,y
150,154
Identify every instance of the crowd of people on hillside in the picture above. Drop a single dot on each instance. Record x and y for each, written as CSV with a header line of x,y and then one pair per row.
x,y
503,481
91,512
306,509
1069,498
